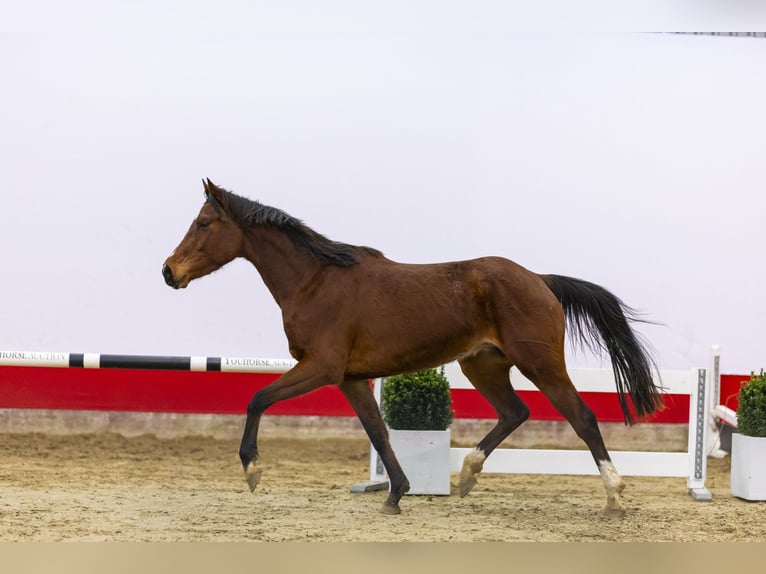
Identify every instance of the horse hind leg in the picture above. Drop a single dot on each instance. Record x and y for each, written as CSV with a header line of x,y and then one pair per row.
x,y
556,385
489,372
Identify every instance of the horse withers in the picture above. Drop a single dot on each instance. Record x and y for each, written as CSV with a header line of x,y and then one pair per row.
x,y
351,314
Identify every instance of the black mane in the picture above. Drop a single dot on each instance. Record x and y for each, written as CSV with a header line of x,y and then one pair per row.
x,y
248,213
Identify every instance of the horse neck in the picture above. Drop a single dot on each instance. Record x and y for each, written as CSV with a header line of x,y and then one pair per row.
x,y
283,267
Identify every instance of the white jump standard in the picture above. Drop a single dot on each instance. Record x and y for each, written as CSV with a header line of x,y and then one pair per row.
x,y
691,464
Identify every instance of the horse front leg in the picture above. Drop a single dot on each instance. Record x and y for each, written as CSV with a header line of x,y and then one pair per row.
x,y
301,379
248,448
361,398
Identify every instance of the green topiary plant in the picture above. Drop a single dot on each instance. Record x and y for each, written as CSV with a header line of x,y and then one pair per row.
x,y
417,401
751,413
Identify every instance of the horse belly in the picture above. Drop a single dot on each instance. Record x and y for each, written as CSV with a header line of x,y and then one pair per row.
x,y
414,342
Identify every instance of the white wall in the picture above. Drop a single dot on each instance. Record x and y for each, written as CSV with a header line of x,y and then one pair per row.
x,y
432,133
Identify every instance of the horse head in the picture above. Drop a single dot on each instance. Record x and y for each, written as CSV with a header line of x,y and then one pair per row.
x,y
213,239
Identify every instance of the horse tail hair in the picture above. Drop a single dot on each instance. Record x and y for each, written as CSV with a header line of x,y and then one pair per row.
x,y
600,321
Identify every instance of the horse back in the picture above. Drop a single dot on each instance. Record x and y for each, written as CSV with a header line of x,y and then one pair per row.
x,y
390,317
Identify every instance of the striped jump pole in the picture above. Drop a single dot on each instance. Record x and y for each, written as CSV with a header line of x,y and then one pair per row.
x,y
152,362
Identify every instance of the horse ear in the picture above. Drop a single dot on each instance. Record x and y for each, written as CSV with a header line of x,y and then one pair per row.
x,y
213,192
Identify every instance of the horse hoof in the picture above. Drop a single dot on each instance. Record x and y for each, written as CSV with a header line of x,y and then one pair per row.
x,y
252,475
614,512
390,510
467,484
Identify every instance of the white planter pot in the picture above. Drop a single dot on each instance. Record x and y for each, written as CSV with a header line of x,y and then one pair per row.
x,y
424,456
748,467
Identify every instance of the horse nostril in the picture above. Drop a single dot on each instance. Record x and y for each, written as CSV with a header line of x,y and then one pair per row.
x,y
167,273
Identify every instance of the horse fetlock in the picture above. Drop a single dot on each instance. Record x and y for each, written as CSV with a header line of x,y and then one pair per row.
x,y
473,463
614,486
397,492
391,505
612,479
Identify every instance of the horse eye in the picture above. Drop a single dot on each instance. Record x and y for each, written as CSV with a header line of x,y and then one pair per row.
x,y
202,224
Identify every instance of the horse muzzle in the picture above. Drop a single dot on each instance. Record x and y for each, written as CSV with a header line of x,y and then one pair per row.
x,y
174,282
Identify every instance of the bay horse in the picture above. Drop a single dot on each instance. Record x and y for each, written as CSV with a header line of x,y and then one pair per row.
x,y
350,314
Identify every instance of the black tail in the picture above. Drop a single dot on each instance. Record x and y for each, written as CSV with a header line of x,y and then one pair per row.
x,y
600,321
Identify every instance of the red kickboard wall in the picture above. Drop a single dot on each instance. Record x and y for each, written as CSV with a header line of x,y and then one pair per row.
x,y
229,393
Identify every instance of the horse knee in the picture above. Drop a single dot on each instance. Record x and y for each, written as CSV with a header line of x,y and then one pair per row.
x,y
258,403
522,414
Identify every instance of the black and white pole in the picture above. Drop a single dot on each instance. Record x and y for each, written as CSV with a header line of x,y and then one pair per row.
x,y
152,362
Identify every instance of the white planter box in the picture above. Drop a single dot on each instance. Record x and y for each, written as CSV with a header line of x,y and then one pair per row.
x,y
424,456
748,467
